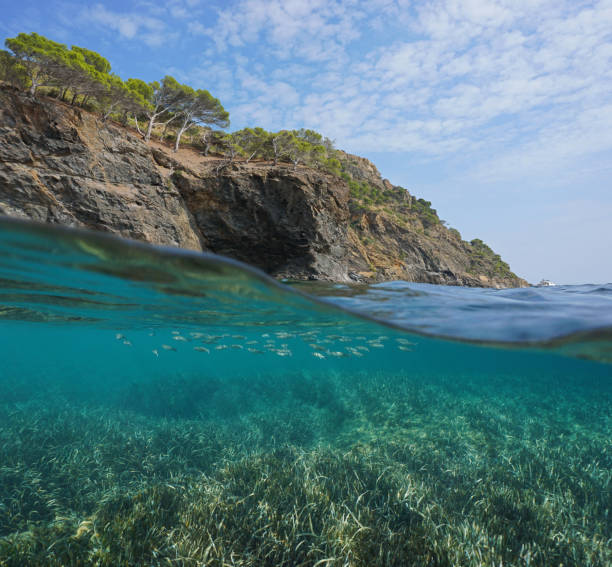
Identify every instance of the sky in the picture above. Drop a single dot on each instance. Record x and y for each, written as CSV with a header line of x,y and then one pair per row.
x,y
497,111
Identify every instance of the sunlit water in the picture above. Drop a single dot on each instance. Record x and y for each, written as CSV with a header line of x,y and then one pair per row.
x,y
161,407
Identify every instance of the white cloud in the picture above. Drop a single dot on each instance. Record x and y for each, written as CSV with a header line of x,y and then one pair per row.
x,y
148,23
500,81
315,30
130,25
553,148
126,24
196,28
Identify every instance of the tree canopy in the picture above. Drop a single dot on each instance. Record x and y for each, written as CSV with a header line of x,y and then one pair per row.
x,y
168,108
198,107
35,61
38,56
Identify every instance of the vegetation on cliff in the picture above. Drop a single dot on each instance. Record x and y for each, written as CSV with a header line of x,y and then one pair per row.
x,y
375,202
482,255
85,76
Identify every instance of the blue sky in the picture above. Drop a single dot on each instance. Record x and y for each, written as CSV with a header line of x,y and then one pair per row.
x,y
499,112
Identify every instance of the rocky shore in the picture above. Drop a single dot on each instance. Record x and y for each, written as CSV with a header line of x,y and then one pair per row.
x,y
61,164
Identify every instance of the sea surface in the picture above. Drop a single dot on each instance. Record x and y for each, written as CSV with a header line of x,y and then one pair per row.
x,y
164,407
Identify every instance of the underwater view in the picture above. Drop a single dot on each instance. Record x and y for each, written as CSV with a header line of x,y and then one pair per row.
x,y
166,408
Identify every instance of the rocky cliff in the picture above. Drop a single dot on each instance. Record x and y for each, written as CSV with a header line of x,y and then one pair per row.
x,y
394,235
60,164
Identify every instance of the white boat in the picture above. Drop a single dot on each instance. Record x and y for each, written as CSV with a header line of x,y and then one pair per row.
x,y
545,283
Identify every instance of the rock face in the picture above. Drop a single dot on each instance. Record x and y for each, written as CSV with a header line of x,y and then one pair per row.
x,y
62,165
396,240
394,252
290,224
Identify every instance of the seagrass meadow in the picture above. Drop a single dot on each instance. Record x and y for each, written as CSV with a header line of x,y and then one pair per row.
x,y
187,411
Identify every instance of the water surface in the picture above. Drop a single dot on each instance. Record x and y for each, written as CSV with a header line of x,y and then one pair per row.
x,y
162,407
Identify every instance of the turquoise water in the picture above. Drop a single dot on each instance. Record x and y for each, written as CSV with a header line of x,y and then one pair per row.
x,y
162,407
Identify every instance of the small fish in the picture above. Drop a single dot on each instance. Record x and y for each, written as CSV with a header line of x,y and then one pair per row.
x,y
316,347
237,347
239,337
405,342
168,347
196,335
220,347
201,349
176,332
155,352
179,338
265,335
318,355
402,347
127,343
251,342
376,345
255,350
337,353
119,337
283,335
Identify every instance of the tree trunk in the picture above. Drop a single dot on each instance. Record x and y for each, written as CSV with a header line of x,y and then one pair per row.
x,y
149,130
275,149
108,112
137,125
162,135
180,131
74,97
178,140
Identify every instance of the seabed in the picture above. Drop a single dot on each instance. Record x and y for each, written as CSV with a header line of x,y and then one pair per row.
x,y
320,468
